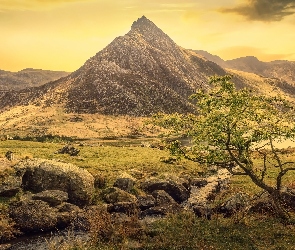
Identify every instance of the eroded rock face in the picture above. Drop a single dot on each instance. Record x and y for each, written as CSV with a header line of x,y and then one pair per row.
x,y
38,175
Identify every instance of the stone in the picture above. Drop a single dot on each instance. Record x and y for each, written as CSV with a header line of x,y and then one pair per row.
x,y
125,182
52,197
33,216
288,196
234,204
203,211
164,204
199,182
38,175
69,149
67,213
176,190
115,195
129,208
146,201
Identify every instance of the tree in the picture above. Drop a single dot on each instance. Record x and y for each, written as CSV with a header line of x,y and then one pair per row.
x,y
232,127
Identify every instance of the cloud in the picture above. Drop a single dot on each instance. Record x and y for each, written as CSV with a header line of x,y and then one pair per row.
x,y
32,4
264,10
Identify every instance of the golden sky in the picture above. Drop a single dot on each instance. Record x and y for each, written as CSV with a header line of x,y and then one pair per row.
x,y
63,34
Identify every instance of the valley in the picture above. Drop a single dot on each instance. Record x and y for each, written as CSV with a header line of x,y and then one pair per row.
x,y
80,153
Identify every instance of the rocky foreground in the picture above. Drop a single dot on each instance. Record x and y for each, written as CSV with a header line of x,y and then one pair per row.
x,y
50,195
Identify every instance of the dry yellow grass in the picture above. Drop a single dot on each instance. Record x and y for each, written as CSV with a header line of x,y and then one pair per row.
x,y
36,120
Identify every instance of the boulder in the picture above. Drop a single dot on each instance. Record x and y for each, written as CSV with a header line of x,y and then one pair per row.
x,y
262,204
146,201
38,175
164,204
52,197
176,190
234,204
114,195
67,213
125,182
288,196
38,216
33,216
203,210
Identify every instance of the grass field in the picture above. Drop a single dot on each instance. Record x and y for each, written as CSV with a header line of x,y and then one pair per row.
x,y
182,231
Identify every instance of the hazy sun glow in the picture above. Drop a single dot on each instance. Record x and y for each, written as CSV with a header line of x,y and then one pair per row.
x,y
63,34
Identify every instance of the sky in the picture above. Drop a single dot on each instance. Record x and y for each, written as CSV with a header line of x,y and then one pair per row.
x,y
63,34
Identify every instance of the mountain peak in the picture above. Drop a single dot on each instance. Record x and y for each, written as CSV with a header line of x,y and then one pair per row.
x,y
143,23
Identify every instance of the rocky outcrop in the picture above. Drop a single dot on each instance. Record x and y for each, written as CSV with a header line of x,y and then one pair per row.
x,y
38,175
174,188
41,214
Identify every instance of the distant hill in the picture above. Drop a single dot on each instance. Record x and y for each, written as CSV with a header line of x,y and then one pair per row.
x,y
279,69
139,74
28,78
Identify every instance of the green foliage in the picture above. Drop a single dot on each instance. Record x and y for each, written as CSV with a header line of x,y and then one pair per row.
x,y
232,129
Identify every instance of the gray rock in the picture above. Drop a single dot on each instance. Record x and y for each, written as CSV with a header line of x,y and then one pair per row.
x,y
126,183
203,211
234,204
288,196
52,197
176,190
164,205
38,175
146,201
115,195
33,216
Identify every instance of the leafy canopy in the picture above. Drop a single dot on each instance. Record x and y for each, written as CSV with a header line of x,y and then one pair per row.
x,y
232,127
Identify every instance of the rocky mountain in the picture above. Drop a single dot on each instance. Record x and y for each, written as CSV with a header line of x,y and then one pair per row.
x,y
140,73
284,71
27,78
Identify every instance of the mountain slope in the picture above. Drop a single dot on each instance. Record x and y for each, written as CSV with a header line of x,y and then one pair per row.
x,y
27,78
283,71
140,73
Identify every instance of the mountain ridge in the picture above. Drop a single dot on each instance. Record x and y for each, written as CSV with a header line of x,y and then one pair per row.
x,y
140,73
28,77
